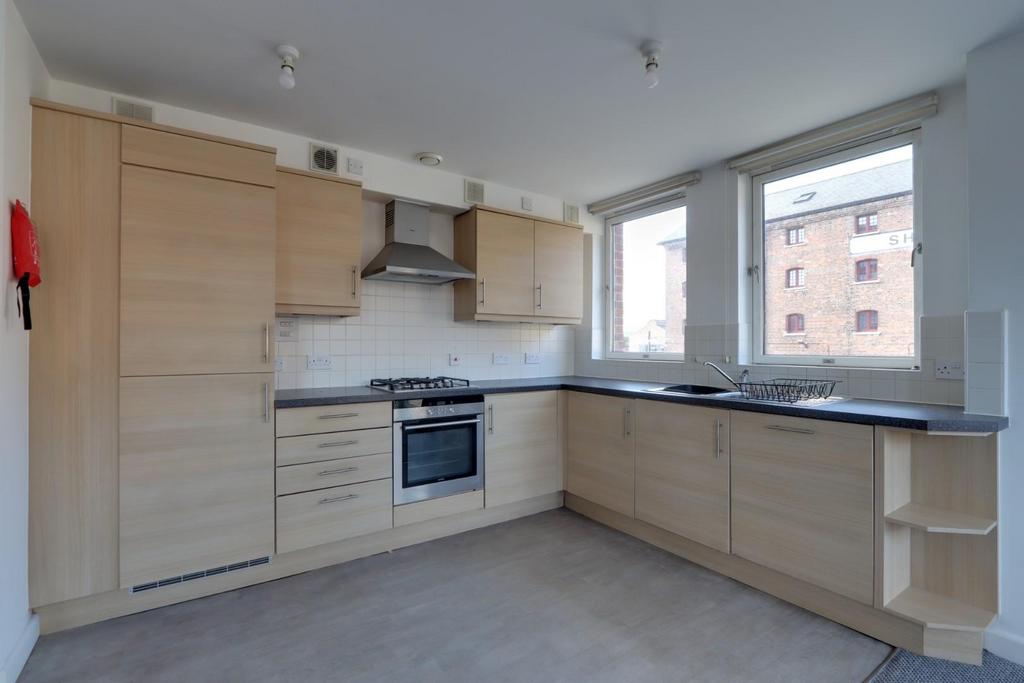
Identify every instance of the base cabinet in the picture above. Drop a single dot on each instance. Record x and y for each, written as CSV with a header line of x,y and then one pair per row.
x,y
524,452
682,471
601,450
802,500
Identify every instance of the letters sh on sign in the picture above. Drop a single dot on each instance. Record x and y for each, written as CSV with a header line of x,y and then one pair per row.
x,y
881,241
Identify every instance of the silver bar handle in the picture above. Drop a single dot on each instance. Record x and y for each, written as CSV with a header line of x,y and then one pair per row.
x,y
490,418
338,470
540,295
442,424
918,248
353,281
629,421
483,290
266,343
337,499
266,402
335,416
337,444
794,430
718,438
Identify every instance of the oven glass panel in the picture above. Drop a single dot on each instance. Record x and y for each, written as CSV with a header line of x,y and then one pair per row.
x,y
440,453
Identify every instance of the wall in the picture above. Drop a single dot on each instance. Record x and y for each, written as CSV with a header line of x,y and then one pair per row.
x,y
995,148
718,306
407,330
21,74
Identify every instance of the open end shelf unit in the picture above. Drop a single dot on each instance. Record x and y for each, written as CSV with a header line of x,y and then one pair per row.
x,y
937,536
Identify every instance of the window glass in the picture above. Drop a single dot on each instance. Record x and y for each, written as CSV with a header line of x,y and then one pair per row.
x,y
861,211
794,323
648,285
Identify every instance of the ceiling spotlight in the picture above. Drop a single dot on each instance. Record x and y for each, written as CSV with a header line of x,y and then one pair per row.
x,y
429,159
289,55
651,51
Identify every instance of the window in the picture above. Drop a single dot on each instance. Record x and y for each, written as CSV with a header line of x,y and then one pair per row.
x,y
647,277
863,214
795,236
794,323
867,321
867,270
795,277
867,223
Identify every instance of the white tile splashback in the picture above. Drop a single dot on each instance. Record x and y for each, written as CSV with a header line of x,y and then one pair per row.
x,y
407,330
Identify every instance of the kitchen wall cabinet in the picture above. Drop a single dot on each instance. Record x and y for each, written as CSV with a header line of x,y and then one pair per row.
x,y
602,450
73,373
682,470
524,450
196,473
802,499
527,269
197,274
319,244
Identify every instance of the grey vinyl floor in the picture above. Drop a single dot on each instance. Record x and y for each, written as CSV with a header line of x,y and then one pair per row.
x,y
552,597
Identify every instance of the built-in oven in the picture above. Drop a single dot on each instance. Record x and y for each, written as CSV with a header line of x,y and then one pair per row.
x,y
438,447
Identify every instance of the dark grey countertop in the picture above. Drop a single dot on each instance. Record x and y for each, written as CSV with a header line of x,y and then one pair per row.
x,y
921,416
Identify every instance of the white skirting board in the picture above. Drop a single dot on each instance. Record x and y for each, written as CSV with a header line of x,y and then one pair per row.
x,y
17,657
1005,644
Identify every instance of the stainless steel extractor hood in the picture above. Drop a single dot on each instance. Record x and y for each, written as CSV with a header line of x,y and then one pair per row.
x,y
406,256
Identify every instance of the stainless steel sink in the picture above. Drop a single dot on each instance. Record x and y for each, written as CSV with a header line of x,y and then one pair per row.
x,y
694,390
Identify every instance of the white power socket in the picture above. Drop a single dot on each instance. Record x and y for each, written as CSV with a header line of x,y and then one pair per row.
x,y
531,358
319,363
949,369
279,364
454,359
500,359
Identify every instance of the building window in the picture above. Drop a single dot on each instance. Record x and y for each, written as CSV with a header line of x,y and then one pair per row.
x,y
867,321
795,236
827,195
794,323
867,222
867,270
647,278
795,278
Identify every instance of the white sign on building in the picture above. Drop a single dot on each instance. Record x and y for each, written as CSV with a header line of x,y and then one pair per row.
x,y
881,241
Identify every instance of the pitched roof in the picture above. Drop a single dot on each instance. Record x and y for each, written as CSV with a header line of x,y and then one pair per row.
x,y
853,188
679,234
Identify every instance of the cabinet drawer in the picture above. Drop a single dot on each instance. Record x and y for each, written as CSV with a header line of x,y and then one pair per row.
x,y
295,450
186,154
321,419
321,475
308,519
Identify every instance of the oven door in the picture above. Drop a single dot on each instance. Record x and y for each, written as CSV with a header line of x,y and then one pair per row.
x,y
438,457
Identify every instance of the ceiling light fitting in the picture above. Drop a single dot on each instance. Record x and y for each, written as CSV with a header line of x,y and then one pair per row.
x,y
651,51
429,159
289,55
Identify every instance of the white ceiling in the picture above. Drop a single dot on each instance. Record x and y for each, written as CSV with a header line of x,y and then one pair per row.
x,y
545,95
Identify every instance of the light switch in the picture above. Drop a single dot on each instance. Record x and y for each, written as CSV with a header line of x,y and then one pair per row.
x,y
532,358
500,359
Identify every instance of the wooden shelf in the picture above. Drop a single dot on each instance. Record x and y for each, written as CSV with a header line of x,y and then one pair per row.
x,y
939,521
938,611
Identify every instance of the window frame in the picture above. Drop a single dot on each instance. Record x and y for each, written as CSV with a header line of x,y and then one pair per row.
x,y
757,266
796,317
856,270
609,274
801,277
871,229
801,236
872,317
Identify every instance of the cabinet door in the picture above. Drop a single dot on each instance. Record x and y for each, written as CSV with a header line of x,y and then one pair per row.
x,y
802,499
319,243
524,455
558,274
196,473
601,450
504,264
682,471
197,274
72,387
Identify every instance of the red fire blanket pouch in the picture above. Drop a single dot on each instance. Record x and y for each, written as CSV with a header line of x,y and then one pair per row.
x,y
25,250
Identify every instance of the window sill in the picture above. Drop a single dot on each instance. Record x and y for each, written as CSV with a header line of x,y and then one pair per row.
x,y
796,289
868,333
794,334
867,282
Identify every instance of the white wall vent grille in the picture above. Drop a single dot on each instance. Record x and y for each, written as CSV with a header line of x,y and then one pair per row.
x,y
474,192
323,158
192,576
570,213
132,110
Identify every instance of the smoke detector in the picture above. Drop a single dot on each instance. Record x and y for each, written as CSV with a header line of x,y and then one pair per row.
x,y
429,159
651,52
289,55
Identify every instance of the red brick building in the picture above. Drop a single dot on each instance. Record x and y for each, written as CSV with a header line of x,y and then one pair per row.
x,y
675,290
838,280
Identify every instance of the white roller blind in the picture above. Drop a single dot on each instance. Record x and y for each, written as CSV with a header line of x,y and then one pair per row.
x,y
663,190
891,119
